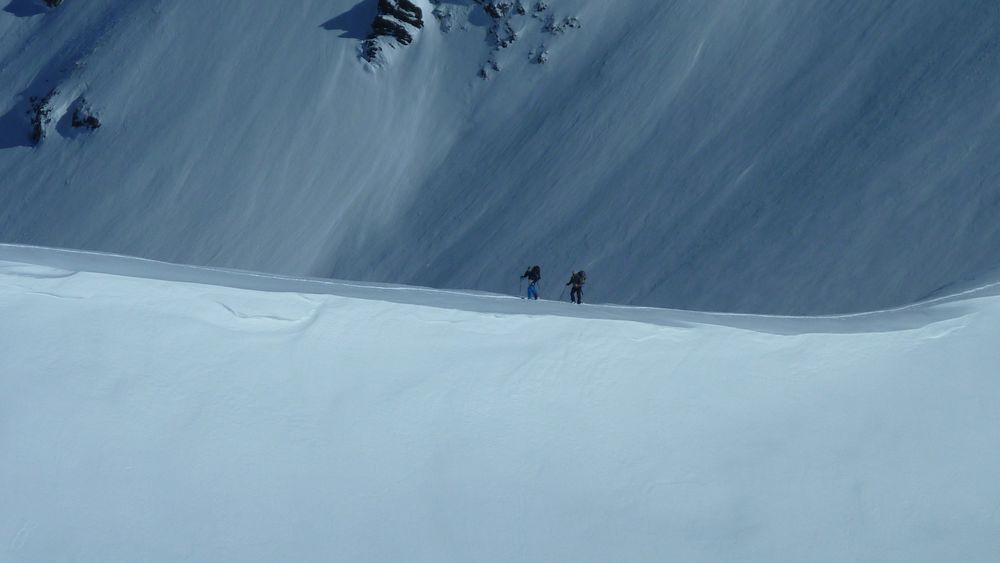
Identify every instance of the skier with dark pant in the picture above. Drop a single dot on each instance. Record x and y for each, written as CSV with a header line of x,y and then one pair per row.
x,y
533,274
577,279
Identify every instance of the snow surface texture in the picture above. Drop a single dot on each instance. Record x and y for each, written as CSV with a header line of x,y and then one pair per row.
x,y
772,156
146,419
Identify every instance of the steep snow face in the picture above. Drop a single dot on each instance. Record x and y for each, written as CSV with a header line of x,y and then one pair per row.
x,y
145,419
774,156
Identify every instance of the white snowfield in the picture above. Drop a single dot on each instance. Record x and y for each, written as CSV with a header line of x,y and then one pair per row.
x,y
152,412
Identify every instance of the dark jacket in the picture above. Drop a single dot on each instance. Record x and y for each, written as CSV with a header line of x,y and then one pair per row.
x,y
533,273
577,279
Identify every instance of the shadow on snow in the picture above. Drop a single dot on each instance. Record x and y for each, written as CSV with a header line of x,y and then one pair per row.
x,y
24,8
355,23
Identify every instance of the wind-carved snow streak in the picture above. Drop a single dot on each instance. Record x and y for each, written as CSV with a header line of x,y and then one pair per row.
x,y
33,271
274,312
22,536
56,295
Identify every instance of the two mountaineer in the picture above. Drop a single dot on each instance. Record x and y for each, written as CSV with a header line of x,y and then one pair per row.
x,y
576,280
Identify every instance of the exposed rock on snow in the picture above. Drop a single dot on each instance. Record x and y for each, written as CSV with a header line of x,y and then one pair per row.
x,y
496,10
503,32
41,115
84,116
539,57
443,15
551,26
400,10
396,19
509,22
491,65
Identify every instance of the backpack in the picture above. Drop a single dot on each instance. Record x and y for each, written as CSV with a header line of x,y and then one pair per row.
x,y
583,276
535,273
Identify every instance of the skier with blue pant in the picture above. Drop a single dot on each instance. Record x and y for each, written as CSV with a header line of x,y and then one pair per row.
x,y
533,274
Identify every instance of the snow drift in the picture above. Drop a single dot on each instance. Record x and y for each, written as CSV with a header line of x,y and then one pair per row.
x,y
770,156
146,419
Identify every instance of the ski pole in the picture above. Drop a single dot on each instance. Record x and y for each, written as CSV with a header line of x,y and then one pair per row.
x,y
562,293
520,286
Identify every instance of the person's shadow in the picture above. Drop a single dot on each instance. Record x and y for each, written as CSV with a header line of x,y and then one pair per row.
x,y
356,23
24,8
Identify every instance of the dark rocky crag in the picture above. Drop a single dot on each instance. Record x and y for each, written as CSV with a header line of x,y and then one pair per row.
x,y
84,116
397,21
394,20
40,115
502,32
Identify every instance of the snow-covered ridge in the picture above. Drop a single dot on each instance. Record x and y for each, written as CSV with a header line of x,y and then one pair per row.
x,y
899,318
775,156
146,419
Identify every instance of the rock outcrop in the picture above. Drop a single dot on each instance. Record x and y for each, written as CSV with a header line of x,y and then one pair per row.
x,y
40,115
556,27
84,116
397,20
506,16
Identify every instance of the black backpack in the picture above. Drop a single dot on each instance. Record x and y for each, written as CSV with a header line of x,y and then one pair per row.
x,y
535,273
582,276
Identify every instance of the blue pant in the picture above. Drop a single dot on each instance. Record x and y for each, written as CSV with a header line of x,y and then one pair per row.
x,y
532,291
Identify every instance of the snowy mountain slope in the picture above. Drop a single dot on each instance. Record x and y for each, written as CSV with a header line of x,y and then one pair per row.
x,y
153,419
773,156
